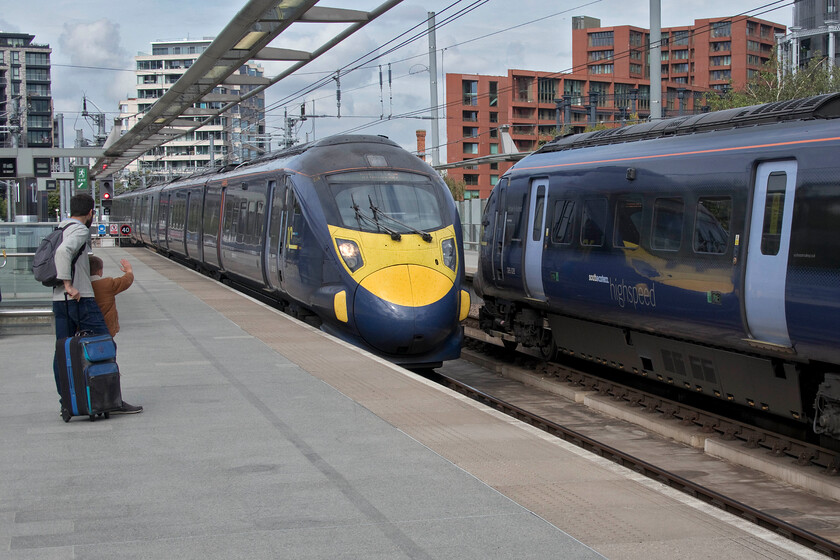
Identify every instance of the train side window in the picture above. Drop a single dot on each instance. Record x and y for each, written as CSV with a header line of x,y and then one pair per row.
x,y
563,220
711,224
668,217
594,222
774,211
536,235
628,222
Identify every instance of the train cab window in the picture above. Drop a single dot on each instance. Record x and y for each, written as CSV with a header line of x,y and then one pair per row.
x,y
385,200
668,218
711,224
628,222
562,232
594,222
774,210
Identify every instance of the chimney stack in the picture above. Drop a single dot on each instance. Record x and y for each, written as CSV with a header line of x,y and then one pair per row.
x,y
421,144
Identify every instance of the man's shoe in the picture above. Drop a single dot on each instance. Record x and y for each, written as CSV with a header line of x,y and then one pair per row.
x,y
127,409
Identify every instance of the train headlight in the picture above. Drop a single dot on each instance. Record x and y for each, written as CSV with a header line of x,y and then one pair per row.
x,y
349,251
449,257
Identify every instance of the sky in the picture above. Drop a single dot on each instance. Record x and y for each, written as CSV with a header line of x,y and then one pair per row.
x,y
94,43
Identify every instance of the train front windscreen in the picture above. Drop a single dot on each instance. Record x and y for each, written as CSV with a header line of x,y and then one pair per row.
x,y
385,201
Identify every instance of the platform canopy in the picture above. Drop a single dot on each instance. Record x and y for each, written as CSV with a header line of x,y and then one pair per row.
x,y
245,38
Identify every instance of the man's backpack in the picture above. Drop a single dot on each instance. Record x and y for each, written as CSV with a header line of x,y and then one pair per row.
x,y
43,264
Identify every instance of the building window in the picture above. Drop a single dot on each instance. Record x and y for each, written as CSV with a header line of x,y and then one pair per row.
x,y
470,88
494,133
721,29
754,46
601,39
522,88
494,149
15,57
574,88
752,27
721,75
595,56
494,166
601,69
470,132
470,116
636,39
494,117
725,60
37,59
546,90
471,179
680,55
679,68
753,60
680,38
494,94
635,69
724,46
470,148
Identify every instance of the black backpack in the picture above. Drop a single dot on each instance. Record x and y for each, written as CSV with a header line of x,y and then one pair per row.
x,y
43,264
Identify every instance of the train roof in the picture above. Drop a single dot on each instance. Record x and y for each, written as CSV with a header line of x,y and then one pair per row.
x,y
825,106
286,153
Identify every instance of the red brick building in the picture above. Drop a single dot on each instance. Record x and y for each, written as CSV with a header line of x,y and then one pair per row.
x,y
608,85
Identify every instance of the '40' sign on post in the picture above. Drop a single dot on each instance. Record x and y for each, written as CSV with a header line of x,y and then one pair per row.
x,y
81,178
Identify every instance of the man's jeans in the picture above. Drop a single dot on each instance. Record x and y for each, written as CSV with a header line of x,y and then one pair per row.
x,y
82,316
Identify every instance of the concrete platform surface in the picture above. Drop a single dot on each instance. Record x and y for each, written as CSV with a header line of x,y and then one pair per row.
x,y
264,438
238,454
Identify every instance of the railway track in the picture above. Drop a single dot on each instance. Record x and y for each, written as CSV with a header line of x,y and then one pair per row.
x,y
803,454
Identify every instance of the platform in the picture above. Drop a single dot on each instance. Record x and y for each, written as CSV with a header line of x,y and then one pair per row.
x,y
265,438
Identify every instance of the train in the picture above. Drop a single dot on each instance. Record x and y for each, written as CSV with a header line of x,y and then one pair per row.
x,y
700,251
351,233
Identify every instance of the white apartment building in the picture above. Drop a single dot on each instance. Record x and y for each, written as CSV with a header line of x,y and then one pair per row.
x,y
234,136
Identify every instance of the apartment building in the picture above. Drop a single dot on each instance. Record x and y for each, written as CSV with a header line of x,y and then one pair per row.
x,y
608,85
816,24
26,109
236,135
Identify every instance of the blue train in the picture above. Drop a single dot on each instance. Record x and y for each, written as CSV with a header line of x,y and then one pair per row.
x,y
351,232
700,251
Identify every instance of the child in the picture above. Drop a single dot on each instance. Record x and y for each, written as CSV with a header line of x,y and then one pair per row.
x,y
105,290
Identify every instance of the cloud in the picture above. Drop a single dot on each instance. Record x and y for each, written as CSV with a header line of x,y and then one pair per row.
x,y
94,43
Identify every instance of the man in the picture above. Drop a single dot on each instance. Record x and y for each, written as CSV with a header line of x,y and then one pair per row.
x,y
106,288
78,311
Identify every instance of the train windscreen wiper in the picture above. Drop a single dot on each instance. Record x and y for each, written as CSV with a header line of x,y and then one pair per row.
x,y
361,216
376,211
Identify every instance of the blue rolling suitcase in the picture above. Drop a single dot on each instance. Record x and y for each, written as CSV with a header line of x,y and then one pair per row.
x,y
88,376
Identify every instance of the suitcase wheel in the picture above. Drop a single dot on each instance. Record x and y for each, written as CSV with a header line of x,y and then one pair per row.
x,y
106,414
65,414
92,417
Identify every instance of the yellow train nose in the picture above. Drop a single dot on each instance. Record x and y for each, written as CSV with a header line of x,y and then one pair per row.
x,y
408,285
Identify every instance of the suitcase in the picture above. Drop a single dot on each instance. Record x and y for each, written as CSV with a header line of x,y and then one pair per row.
x,y
88,376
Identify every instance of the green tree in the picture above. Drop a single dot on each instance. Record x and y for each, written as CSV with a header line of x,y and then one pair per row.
x,y
773,84
53,204
457,188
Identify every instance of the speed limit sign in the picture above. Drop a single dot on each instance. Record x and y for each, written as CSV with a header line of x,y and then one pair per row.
x,y
125,229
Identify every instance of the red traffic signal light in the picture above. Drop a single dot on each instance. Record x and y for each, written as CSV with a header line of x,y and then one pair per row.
x,y
106,196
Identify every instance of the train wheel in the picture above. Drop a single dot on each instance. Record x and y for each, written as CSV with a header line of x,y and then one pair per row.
x,y
510,345
548,351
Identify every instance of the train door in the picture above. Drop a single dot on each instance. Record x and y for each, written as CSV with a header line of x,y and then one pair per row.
x,y
535,239
275,233
767,253
292,244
